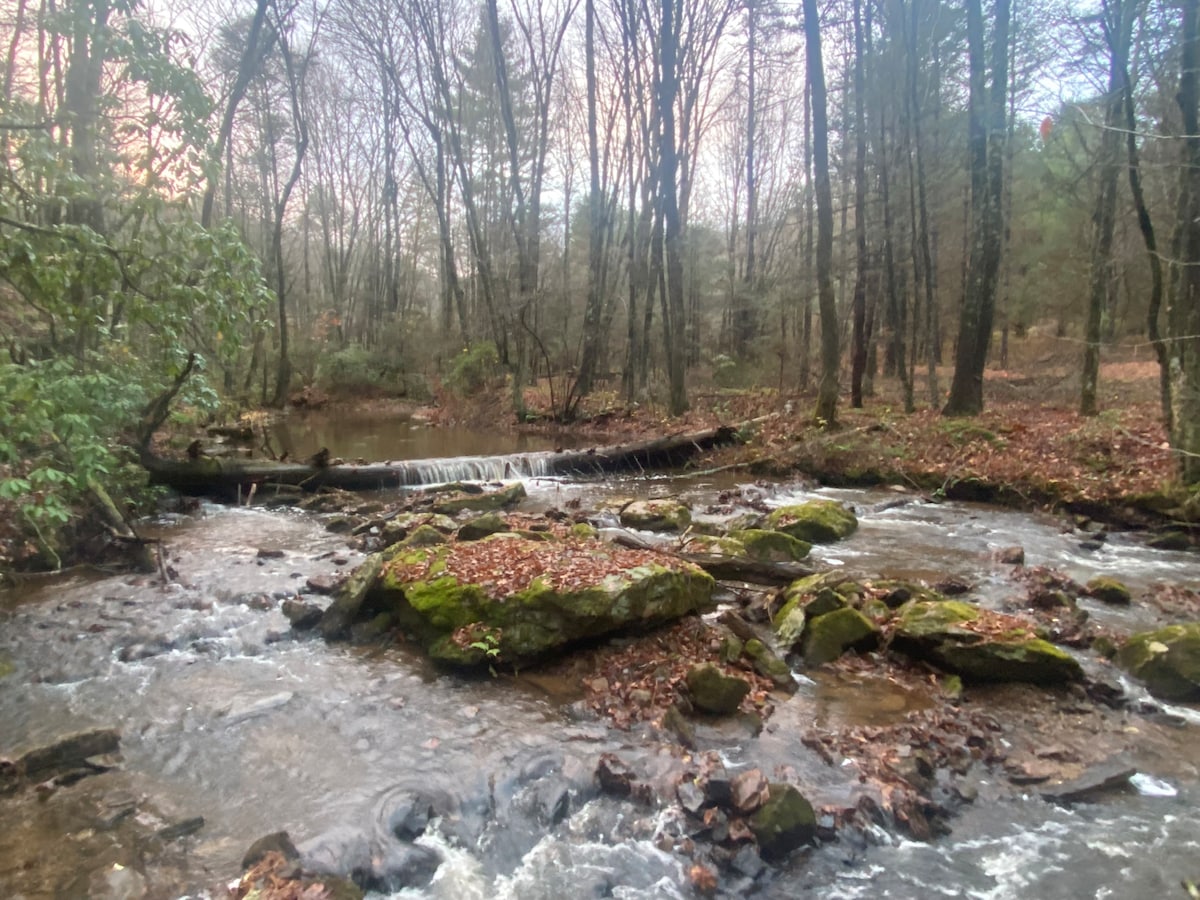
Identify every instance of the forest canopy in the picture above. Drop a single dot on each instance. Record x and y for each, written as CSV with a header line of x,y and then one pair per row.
x,y
238,201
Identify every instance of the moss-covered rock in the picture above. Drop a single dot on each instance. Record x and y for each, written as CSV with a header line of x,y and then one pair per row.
x,y
896,593
1109,590
487,501
482,526
768,664
817,521
509,598
828,636
424,536
771,546
1166,660
980,645
786,821
398,528
715,692
657,515
808,597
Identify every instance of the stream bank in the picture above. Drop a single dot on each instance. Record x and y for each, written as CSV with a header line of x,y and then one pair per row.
x,y
205,669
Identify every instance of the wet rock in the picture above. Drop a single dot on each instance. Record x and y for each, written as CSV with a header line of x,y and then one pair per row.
x,y
145,650
117,882
1011,556
241,710
181,829
1109,775
895,594
748,862
713,691
508,598
1167,661
484,502
1109,590
552,801
816,522
674,722
1170,540
279,842
786,821
323,584
690,796
482,526
614,776
748,791
70,752
980,645
656,515
830,635
767,664
400,527
336,620
410,813
303,616
274,553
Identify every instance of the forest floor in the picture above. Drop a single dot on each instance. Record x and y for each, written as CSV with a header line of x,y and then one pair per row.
x,y
1030,447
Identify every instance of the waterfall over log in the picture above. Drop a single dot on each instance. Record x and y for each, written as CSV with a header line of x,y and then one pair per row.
x,y
226,475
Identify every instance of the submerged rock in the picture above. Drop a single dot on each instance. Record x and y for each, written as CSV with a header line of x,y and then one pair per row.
x,y
508,598
980,645
715,692
817,521
1167,661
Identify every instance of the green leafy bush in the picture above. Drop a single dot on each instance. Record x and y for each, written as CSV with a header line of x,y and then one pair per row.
x,y
474,368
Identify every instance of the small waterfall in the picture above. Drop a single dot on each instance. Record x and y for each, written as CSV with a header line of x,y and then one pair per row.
x,y
511,467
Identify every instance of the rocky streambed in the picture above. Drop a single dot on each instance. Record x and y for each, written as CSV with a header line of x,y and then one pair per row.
x,y
604,714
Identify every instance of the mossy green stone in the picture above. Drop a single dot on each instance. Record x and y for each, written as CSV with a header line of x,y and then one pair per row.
x,y
789,623
482,526
1166,660
424,536
716,545
817,521
485,502
656,515
540,617
1034,661
767,664
6,667
921,619
829,636
786,821
1109,590
771,546
715,692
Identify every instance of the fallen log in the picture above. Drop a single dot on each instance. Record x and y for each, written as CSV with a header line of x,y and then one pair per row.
x,y
230,476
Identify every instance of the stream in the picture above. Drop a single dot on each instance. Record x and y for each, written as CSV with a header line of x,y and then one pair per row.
x,y
225,715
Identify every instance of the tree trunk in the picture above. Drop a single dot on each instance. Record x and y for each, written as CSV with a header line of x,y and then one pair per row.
x,y
827,390
858,366
673,305
986,140
1183,313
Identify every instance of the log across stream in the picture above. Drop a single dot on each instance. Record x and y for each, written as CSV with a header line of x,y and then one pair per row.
x,y
223,476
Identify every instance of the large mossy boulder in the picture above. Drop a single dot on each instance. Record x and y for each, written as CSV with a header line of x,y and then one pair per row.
x,y
979,644
828,636
1167,661
509,598
657,515
816,521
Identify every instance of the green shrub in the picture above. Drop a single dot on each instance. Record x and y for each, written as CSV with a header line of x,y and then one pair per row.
x,y
474,368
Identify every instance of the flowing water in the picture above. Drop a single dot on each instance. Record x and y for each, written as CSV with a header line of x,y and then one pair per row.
x,y
224,715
